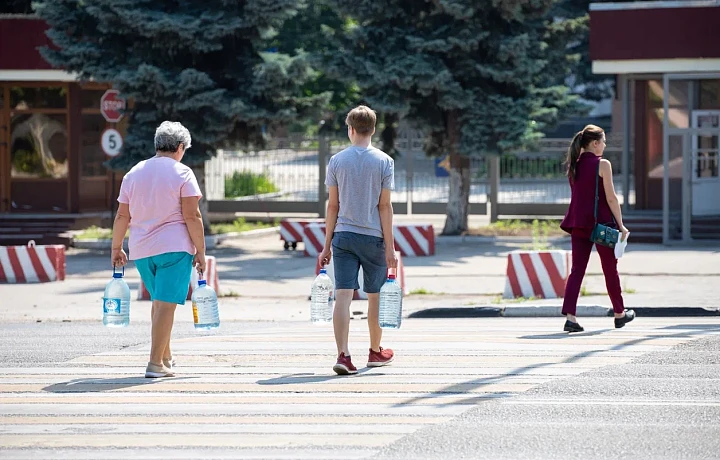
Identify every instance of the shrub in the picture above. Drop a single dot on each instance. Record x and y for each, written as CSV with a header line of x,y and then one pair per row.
x,y
247,183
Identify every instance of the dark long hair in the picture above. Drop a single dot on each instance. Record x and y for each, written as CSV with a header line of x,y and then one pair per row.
x,y
581,140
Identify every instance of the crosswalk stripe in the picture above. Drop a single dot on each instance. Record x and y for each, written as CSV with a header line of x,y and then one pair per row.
x,y
270,393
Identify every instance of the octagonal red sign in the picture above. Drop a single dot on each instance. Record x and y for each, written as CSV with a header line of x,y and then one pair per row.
x,y
112,106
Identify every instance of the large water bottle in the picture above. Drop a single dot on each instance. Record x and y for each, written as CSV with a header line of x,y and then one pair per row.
x,y
116,301
205,307
390,315
321,301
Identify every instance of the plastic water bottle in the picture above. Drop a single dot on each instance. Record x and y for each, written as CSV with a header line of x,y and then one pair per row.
x,y
205,307
321,301
390,315
116,301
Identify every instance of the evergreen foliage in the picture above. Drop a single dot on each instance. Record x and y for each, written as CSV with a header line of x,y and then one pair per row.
x,y
203,63
477,75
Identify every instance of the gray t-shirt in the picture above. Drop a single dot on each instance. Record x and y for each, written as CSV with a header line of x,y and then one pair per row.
x,y
360,174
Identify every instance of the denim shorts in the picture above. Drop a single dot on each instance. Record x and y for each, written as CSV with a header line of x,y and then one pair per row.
x,y
167,276
354,250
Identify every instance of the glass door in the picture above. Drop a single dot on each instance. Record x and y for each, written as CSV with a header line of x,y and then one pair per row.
x,y
706,164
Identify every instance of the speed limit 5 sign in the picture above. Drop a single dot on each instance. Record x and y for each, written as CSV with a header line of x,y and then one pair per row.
x,y
111,142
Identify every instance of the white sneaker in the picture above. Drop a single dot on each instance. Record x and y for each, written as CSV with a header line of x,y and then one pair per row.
x,y
153,371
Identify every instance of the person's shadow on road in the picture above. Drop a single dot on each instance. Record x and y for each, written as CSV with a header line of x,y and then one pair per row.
x,y
101,385
565,335
308,377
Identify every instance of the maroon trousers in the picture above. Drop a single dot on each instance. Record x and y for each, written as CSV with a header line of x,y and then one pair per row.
x,y
581,249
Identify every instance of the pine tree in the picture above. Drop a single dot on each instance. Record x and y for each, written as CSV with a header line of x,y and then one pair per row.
x,y
204,63
475,74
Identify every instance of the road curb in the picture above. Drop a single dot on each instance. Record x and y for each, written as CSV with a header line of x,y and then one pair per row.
x,y
663,312
546,311
457,312
552,311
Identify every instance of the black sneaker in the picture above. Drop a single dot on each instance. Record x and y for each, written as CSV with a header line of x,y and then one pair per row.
x,y
629,316
572,327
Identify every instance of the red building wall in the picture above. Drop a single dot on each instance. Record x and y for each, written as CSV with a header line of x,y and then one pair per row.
x,y
20,39
657,33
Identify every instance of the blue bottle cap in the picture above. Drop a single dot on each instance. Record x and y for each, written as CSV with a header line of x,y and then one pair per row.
x,y
322,270
202,283
117,275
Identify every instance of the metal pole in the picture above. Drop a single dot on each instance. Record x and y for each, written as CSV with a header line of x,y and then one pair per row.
x,y
322,170
410,174
687,187
686,192
494,179
666,160
626,143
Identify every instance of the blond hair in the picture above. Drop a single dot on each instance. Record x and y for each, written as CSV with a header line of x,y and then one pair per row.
x,y
362,119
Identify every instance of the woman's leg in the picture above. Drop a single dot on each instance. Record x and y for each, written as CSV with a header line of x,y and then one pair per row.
x,y
167,354
581,249
612,279
162,323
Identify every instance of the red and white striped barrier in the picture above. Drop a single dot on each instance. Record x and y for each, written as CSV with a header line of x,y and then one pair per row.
x,y
313,239
359,294
291,230
414,240
540,274
32,264
410,240
210,275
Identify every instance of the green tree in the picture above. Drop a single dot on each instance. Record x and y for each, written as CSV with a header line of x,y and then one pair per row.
x,y
204,63
473,73
16,7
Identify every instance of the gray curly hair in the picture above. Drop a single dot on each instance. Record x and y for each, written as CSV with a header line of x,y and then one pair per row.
x,y
169,135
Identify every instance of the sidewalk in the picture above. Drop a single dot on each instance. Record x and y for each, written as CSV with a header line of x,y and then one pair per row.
x,y
261,281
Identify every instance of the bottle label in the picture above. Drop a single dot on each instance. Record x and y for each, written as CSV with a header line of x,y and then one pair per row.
x,y
195,313
111,305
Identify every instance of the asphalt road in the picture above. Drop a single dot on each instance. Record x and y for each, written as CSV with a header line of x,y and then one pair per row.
x,y
658,405
663,405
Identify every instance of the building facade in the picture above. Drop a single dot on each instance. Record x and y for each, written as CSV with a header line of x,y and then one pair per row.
x,y
667,64
51,160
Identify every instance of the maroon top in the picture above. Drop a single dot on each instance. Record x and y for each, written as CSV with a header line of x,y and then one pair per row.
x,y
579,215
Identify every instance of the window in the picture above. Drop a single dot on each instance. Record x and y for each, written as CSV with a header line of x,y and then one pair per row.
x,y
90,98
39,146
709,95
38,98
92,155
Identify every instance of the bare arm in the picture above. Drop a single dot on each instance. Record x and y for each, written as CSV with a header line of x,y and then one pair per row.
x,y
333,208
386,222
612,199
120,228
386,218
193,219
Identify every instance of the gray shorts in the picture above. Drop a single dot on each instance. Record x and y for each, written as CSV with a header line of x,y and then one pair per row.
x,y
354,250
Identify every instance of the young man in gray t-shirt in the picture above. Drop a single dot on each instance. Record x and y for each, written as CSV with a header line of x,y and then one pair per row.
x,y
359,232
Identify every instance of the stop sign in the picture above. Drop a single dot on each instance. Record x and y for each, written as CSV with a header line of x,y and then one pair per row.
x,y
112,106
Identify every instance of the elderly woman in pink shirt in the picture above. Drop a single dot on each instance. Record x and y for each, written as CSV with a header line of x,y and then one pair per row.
x,y
159,203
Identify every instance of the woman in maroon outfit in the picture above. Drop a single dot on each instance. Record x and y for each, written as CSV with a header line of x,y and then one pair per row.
x,y
583,156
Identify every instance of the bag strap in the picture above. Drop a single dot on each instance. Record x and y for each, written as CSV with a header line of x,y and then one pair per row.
x,y
597,195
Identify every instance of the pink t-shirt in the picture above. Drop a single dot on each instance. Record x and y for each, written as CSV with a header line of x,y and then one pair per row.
x,y
153,189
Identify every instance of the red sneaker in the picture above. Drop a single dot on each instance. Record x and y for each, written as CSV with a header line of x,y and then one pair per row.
x,y
344,366
380,358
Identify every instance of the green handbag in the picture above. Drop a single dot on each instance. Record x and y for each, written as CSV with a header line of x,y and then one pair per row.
x,y
603,234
